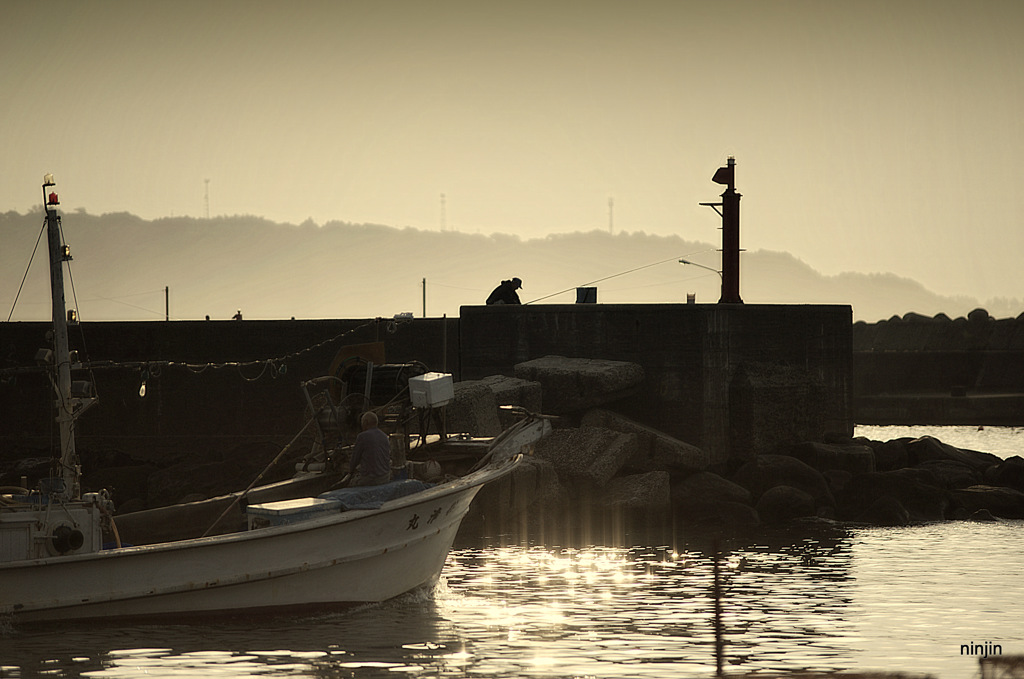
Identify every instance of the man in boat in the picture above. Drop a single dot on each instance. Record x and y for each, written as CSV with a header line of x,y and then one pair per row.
x,y
506,293
370,464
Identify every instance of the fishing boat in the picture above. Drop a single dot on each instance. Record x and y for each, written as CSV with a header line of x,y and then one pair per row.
x,y
293,552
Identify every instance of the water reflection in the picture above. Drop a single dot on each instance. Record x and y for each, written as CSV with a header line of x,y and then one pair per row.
x,y
888,599
647,611
381,638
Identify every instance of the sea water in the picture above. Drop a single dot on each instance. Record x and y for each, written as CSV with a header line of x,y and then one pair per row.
x,y
921,599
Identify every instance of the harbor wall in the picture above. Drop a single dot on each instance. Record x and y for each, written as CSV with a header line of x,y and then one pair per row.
x,y
922,370
733,379
226,379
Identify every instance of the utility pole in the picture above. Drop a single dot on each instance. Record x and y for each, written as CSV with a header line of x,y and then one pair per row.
x,y
167,302
424,298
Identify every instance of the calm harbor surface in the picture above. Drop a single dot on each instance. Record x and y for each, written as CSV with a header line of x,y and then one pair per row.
x,y
894,599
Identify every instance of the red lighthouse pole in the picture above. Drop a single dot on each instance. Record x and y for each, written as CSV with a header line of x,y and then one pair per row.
x,y
730,233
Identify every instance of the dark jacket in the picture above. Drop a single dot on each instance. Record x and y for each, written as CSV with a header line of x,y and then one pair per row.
x,y
372,453
504,294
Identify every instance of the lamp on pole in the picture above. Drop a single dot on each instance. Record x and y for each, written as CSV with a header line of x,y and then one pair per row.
x,y
686,261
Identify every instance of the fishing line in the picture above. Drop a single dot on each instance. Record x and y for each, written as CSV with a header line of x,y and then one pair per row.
x,y
621,273
661,285
116,300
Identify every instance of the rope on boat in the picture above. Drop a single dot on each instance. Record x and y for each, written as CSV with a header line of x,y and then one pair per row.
x,y
274,366
25,277
258,477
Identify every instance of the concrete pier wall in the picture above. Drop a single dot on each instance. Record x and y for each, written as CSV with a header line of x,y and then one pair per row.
x,y
734,379
230,388
923,370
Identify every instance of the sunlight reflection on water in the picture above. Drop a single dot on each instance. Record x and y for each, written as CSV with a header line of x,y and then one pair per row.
x,y
889,599
895,599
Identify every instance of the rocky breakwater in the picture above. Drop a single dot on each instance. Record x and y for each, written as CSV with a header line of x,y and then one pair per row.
x,y
598,466
595,464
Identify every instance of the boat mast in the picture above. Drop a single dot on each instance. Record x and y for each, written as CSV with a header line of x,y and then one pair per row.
x,y
62,355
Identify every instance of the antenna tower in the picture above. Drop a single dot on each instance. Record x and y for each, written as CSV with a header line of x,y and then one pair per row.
x,y
444,216
611,214
206,198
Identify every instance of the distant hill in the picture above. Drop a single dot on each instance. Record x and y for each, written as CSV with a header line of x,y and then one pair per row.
x,y
268,270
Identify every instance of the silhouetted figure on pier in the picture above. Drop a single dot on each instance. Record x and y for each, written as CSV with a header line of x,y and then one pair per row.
x,y
506,293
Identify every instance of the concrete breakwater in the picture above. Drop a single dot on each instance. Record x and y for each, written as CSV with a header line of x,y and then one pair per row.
x,y
723,414
599,462
705,404
919,369
202,400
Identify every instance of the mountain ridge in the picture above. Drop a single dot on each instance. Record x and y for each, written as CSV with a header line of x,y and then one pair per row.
x,y
214,267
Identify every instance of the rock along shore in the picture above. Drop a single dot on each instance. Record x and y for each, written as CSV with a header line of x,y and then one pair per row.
x,y
598,463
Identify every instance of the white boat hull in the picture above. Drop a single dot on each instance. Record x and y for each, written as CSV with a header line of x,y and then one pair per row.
x,y
337,559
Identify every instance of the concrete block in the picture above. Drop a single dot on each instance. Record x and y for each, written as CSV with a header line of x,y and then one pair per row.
x,y
512,391
856,459
707,487
574,384
592,455
473,410
656,451
649,492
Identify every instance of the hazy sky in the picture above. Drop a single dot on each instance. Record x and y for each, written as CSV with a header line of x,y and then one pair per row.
x,y
869,136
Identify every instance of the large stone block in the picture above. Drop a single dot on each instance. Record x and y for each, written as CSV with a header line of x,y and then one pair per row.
x,y
771,404
574,384
890,455
473,410
768,471
952,474
930,448
1003,502
783,503
649,492
512,391
532,486
715,513
1009,473
707,487
853,458
592,455
656,450
917,490
885,511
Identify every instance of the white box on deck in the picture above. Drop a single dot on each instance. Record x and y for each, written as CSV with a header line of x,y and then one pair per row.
x,y
289,511
431,390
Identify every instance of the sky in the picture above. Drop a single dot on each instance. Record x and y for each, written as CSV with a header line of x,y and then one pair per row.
x,y
868,136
